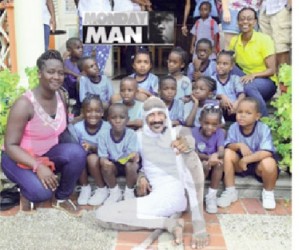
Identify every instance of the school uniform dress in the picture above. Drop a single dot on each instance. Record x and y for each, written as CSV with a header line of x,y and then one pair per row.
x,y
176,111
150,83
184,87
209,70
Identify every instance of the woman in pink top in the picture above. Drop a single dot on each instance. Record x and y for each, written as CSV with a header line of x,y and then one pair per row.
x,y
35,122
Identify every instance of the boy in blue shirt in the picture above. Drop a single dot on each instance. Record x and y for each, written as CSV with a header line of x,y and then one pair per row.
x,y
249,151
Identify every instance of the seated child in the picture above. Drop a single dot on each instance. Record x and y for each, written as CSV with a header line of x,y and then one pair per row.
x,y
176,63
201,65
209,144
128,91
92,82
229,89
117,150
167,92
74,47
249,151
202,91
87,133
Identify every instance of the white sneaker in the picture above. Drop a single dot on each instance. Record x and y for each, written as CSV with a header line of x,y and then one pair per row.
x,y
268,199
114,196
211,204
84,195
99,196
227,197
129,194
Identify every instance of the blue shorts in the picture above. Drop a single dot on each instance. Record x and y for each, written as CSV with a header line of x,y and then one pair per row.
x,y
121,168
251,169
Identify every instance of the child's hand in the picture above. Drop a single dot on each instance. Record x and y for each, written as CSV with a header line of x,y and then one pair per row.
x,y
243,164
86,146
196,75
226,103
195,100
245,150
135,158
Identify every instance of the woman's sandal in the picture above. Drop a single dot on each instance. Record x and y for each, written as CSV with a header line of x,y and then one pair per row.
x,y
26,206
200,240
67,206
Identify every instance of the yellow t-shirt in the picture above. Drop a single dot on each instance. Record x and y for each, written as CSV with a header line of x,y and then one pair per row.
x,y
251,57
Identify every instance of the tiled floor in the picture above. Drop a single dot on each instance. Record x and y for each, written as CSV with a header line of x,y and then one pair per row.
x,y
126,240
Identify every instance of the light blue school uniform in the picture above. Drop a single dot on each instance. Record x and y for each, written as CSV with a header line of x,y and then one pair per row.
x,y
259,139
136,111
103,88
176,111
232,88
109,148
150,83
184,87
208,71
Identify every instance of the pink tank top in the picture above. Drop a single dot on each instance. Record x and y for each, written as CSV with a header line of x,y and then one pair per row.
x,y
42,131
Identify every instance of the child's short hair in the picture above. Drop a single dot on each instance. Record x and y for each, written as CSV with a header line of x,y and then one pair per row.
x,y
252,100
229,53
210,82
128,78
71,41
81,62
206,3
165,78
142,50
248,8
211,109
182,53
89,97
203,40
47,55
118,105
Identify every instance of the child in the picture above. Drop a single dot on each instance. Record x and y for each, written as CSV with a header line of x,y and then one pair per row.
x,y
117,150
202,90
202,65
92,82
229,89
249,151
87,133
128,90
209,141
147,81
205,27
72,73
167,91
176,63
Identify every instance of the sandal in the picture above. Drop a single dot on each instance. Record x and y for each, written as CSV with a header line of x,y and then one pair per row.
x,y
26,205
67,206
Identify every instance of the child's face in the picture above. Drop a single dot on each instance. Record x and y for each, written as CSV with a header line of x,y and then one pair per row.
x,y
200,90
203,51
76,50
209,124
168,90
247,114
93,112
204,11
90,68
128,90
118,119
142,64
175,63
224,65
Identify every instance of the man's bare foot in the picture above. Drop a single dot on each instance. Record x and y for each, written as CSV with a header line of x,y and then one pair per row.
x,y
200,240
178,232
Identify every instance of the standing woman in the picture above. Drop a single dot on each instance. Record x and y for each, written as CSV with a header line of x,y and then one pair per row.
x,y
35,121
255,57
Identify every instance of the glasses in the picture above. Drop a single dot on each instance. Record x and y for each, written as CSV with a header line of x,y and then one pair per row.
x,y
211,106
246,18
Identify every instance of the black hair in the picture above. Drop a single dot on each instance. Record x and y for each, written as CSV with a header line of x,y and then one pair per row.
x,y
203,40
206,3
47,55
71,41
118,105
142,50
81,62
252,100
182,53
128,78
211,109
89,97
229,53
247,8
210,82
165,78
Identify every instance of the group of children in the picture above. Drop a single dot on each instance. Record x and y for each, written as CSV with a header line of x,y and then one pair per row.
x,y
204,100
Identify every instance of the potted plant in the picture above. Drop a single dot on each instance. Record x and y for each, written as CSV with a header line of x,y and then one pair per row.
x,y
281,121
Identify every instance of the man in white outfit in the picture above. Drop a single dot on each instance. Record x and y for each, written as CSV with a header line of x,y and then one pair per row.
x,y
169,166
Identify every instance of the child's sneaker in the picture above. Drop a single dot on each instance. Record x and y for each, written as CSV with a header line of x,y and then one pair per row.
x,y
227,197
268,199
211,204
129,193
114,196
99,196
84,195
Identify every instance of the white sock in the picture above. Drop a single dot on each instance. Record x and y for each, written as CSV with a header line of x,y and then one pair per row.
x,y
267,191
102,188
212,192
129,190
231,189
85,186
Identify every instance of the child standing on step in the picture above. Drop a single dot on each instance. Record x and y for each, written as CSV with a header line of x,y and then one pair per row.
x,y
249,151
117,150
209,144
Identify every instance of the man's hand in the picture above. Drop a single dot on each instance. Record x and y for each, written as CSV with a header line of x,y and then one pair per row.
x,y
143,187
181,145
